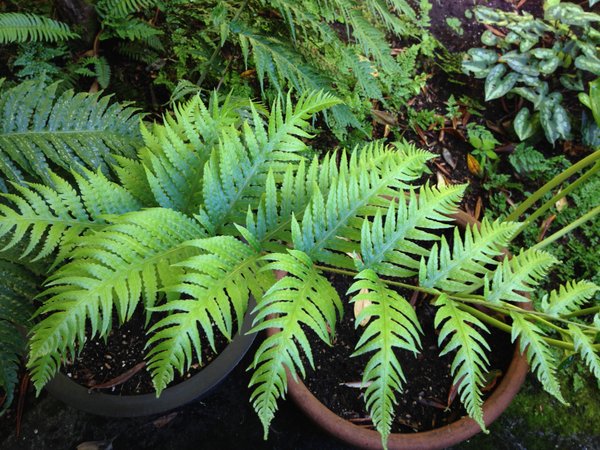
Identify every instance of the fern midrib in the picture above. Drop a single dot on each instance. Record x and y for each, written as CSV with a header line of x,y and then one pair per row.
x,y
106,131
51,221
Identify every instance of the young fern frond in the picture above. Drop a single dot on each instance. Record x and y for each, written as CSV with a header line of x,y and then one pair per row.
x,y
538,353
584,345
19,27
221,278
235,175
392,324
354,193
388,247
568,297
470,364
302,297
462,269
72,131
114,268
17,290
517,275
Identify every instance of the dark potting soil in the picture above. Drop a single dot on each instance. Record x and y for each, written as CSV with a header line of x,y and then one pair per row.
x,y
424,403
117,363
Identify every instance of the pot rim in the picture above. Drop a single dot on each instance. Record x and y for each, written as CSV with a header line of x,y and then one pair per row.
x,y
199,385
438,438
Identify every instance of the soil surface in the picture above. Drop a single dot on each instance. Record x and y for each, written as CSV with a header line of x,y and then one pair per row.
x,y
429,399
116,365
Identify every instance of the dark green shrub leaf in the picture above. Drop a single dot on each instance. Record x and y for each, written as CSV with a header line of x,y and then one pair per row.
x,y
554,120
520,63
590,64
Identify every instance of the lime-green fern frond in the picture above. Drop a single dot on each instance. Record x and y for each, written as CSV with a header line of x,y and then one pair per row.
x,y
584,345
235,175
17,290
392,324
538,353
302,297
114,268
39,128
462,269
470,363
218,280
388,248
354,193
19,27
568,297
517,275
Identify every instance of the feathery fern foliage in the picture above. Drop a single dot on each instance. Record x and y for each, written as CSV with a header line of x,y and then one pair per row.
x,y
40,129
19,27
209,170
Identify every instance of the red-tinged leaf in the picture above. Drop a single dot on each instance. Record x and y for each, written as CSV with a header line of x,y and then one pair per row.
x,y
491,379
473,165
478,208
545,226
121,378
21,402
431,402
452,393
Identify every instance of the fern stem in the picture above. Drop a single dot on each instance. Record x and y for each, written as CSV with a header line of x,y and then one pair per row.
x,y
507,308
587,216
561,194
583,312
507,328
557,180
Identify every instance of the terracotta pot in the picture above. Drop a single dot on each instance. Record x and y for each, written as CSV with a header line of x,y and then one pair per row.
x,y
438,438
196,387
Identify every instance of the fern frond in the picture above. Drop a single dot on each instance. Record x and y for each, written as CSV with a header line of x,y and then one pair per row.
x,y
538,353
387,247
220,278
584,345
16,307
72,131
470,363
461,270
302,297
236,172
392,324
114,268
517,275
123,8
19,27
354,193
568,297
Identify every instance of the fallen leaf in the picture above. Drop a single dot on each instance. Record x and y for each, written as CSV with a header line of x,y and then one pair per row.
x,y
544,227
360,305
164,420
95,445
121,378
452,393
478,208
356,384
248,73
384,118
561,204
449,158
441,180
491,378
473,165
431,402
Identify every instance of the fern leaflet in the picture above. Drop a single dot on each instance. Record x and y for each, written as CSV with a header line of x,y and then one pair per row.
x,y
19,27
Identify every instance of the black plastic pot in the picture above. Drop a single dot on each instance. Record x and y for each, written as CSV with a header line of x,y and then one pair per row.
x,y
198,386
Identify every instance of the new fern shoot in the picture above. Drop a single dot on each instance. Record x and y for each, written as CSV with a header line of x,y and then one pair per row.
x,y
219,197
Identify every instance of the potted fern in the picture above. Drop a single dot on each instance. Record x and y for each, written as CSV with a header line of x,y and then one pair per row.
x,y
230,201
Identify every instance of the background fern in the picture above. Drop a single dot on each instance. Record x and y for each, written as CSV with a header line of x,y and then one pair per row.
x,y
20,27
40,129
